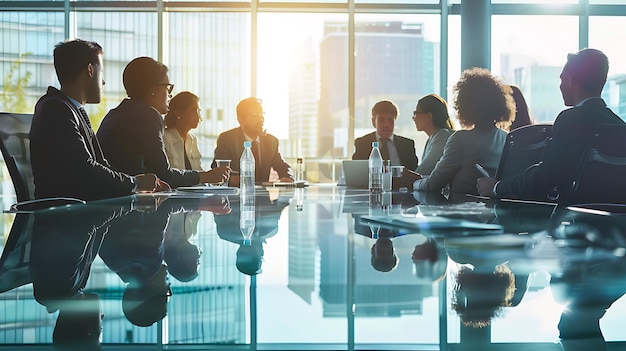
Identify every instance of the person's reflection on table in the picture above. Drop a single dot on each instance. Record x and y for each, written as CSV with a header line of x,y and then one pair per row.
x,y
134,249
268,208
64,243
140,250
182,256
430,262
586,291
480,295
384,258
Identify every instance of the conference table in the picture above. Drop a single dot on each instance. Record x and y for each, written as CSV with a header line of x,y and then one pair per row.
x,y
321,267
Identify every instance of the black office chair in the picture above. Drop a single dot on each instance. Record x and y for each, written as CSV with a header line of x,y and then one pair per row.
x,y
15,147
524,147
15,259
602,171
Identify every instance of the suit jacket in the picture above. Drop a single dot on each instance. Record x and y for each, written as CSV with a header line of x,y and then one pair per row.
x,y
131,136
463,150
230,147
65,155
404,146
555,173
176,147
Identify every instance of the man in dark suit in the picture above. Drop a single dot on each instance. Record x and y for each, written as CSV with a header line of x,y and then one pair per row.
x,y
582,80
398,149
65,155
264,146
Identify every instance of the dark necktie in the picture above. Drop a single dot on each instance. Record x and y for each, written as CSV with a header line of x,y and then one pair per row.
x,y
85,116
384,148
91,137
256,151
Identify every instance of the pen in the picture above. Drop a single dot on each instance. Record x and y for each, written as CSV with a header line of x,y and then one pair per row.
x,y
481,170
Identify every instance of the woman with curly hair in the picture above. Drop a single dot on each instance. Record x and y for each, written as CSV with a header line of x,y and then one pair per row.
x,y
485,109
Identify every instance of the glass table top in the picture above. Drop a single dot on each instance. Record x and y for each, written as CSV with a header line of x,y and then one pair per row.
x,y
316,268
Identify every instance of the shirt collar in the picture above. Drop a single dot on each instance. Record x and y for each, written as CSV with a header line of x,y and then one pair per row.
x,y
246,137
378,137
76,103
587,99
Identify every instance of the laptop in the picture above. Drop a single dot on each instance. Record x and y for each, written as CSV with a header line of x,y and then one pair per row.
x,y
356,173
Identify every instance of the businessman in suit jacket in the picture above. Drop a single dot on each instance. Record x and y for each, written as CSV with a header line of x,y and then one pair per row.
x,y
264,146
582,80
65,155
398,149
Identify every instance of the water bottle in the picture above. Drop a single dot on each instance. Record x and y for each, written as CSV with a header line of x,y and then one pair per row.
x,y
247,220
375,170
246,168
299,170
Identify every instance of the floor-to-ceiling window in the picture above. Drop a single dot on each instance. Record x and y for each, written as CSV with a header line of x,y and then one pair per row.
x,y
318,67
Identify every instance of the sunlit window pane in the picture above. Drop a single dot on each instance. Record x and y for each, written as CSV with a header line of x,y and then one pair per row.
x,y
603,36
27,40
523,54
123,36
302,79
397,58
545,2
208,55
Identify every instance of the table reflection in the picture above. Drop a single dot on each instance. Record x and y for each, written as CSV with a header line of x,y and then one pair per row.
x,y
177,269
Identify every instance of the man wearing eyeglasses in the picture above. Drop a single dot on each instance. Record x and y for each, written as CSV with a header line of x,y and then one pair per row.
x,y
250,116
398,149
131,134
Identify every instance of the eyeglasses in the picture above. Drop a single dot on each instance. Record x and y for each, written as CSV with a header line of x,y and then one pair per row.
x,y
168,86
416,112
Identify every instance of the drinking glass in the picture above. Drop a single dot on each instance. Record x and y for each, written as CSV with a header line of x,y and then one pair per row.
x,y
221,163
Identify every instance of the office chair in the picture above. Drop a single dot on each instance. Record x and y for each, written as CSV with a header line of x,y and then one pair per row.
x,y
15,147
602,170
523,148
15,259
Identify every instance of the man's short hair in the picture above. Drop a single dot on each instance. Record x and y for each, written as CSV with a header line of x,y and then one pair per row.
x,y
589,68
244,105
140,74
385,106
71,56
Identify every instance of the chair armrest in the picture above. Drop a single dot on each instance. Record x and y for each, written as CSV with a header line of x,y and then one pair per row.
x,y
38,204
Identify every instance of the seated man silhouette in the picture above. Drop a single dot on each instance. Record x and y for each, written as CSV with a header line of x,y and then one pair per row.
x,y
582,80
267,157
398,149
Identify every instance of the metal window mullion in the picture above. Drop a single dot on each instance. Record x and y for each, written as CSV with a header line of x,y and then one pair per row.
x,y
254,11
443,50
351,73
583,25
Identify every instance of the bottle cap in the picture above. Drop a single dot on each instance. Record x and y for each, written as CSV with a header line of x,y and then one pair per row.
x,y
374,144
247,242
247,144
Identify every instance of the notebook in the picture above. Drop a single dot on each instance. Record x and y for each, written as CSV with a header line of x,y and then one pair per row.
x,y
356,173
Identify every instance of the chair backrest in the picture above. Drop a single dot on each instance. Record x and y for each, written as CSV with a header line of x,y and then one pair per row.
x,y
523,148
15,259
602,171
15,147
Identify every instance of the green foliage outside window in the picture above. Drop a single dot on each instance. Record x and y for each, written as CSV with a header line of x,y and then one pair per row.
x,y
14,93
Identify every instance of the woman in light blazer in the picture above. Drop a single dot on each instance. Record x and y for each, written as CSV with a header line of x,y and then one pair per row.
x,y
181,145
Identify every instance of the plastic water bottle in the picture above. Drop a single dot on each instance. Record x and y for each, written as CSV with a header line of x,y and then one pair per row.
x,y
375,170
247,220
246,168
